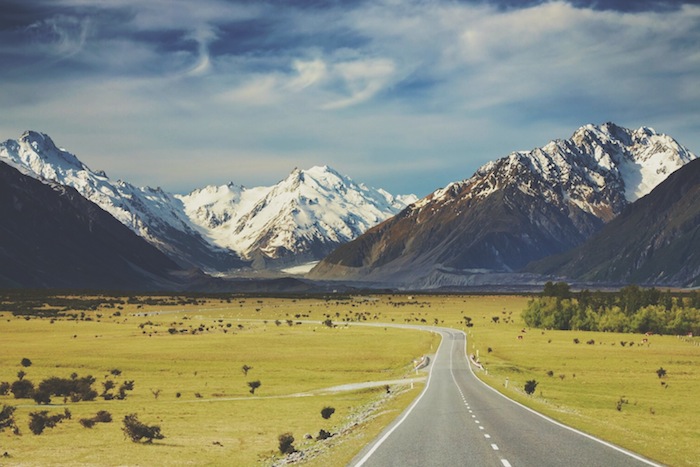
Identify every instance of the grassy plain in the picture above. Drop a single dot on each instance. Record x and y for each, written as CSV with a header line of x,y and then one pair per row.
x,y
229,426
215,420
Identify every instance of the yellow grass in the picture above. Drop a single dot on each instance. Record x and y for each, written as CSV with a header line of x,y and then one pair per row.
x,y
215,420
229,426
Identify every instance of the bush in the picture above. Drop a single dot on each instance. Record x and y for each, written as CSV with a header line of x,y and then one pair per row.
x,y
530,386
326,412
4,388
42,397
136,431
22,389
7,419
38,421
78,389
26,362
254,385
323,434
102,417
286,443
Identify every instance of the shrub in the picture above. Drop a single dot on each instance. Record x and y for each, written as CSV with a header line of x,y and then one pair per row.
x,y
39,421
101,417
661,372
326,412
41,397
254,385
245,369
530,386
7,419
22,389
78,389
136,431
26,362
323,434
4,388
286,443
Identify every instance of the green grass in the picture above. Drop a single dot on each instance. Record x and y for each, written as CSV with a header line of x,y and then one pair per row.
x,y
216,420
658,417
229,426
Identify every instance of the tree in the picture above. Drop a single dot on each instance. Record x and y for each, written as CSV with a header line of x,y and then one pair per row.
x,y
326,412
245,369
254,385
530,386
286,443
136,431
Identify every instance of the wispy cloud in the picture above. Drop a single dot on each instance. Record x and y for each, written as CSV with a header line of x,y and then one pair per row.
x,y
407,82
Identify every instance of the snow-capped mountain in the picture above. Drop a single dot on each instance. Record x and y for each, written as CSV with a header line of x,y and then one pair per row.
x,y
298,220
523,207
153,214
302,218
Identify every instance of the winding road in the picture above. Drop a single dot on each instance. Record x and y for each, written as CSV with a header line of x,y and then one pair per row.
x,y
460,421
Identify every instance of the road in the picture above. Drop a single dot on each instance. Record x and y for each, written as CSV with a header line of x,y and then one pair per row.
x,y
459,421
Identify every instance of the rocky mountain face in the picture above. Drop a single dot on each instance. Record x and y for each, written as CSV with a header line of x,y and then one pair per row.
x,y
219,229
656,240
50,236
518,209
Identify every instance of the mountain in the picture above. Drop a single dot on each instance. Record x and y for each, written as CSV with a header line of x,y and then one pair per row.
x,y
50,236
656,240
225,228
523,207
151,213
300,219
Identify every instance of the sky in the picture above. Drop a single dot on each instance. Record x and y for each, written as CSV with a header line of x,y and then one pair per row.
x,y
405,95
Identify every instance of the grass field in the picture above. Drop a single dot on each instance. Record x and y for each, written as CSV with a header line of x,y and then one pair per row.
x,y
198,351
204,406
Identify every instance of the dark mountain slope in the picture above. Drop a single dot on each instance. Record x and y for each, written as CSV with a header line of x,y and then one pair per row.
x,y
656,240
50,236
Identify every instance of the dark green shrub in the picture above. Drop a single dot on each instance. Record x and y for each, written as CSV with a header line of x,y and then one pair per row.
x,y
4,388
22,389
136,431
39,421
254,385
26,362
323,434
7,419
286,443
530,386
326,412
101,417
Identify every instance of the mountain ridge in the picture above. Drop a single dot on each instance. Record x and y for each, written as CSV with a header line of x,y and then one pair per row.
x,y
183,227
517,209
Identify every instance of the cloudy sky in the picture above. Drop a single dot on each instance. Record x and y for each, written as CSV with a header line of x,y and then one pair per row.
x,y
407,95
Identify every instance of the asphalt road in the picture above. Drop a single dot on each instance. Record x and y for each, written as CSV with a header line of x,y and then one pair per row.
x,y
459,421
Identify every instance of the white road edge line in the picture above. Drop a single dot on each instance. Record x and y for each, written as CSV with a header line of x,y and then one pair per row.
x,y
551,420
406,414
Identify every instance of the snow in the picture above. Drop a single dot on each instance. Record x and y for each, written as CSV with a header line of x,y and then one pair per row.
x,y
314,205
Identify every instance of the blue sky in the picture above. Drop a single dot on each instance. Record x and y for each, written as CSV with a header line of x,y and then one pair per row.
x,y
406,95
